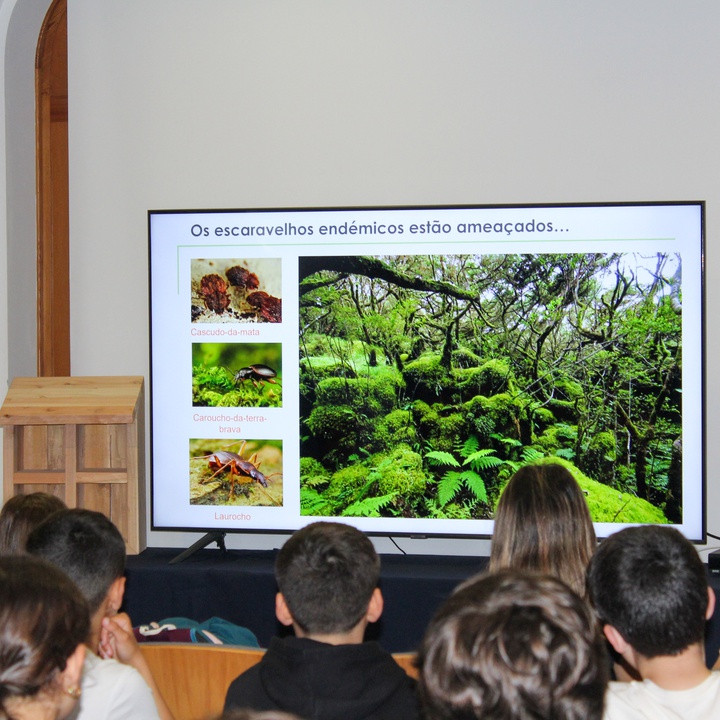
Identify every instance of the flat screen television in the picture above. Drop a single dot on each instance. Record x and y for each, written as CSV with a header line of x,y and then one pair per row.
x,y
392,367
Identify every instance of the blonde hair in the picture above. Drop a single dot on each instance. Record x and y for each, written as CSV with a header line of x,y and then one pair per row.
x,y
542,524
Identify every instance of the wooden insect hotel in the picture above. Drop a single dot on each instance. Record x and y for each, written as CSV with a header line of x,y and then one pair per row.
x,y
82,439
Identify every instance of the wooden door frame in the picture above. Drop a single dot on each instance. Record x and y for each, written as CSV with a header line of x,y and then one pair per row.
x,y
53,207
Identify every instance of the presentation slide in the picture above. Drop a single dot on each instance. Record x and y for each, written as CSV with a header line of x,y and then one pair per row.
x,y
392,367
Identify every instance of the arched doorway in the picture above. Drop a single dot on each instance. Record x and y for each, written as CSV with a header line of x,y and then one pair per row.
x,y
53,269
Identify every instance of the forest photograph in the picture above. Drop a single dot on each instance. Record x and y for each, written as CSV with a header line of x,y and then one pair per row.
x,y
426,381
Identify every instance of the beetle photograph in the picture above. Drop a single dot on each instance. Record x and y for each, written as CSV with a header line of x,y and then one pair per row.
x,y
237,374
236,472
235,290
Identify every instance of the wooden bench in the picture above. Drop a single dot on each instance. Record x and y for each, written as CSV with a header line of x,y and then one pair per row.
x,y
193,678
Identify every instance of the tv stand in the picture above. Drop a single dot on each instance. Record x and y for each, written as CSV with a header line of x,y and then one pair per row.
x,y
216,536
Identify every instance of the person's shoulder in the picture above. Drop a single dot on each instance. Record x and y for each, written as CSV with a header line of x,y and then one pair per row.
x,y
109,673
114,691
247,690
645,700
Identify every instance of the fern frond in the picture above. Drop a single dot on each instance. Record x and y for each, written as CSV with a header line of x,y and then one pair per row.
x,y
476,485
530,454
483,460
448,487
485,463
369,507
470,446
478,454
312,503
440,457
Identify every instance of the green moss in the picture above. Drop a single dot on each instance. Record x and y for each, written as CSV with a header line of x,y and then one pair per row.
x,y
207,398
450,429
396,427
607,505
423,413
426,378
374,395
504,411
332,423
563,410
347,481
569,390
477,420
491,378
400,472
312,472
438,425
543,416
464,358
549,440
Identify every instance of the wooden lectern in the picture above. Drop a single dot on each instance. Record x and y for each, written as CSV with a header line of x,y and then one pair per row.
x,y
82,439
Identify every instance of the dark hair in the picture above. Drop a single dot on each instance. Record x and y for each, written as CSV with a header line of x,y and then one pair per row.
x,y
43,618
542,524
327,572
86,546
248,714
21,514
513,645
650,584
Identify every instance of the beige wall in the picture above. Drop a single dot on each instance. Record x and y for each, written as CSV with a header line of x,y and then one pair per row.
x,y
240,103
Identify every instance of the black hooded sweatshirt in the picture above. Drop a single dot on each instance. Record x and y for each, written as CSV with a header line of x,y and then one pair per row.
x,y
318,681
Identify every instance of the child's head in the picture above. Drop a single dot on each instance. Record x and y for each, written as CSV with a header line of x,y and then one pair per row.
x,y
513,645
86,546
43,623
543,524
649,583
20,515
327,573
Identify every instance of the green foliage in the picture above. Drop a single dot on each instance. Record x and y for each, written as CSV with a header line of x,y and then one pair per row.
x,y
448,487
470,479
440,457
543,416
370,395
491,378
312,473
504,411
348,484
478,419
550,356
426,378
394,428
369,506
464,358
332,423
401,472
313,503
599,458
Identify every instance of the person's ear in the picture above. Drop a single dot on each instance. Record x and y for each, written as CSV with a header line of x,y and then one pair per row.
x,y
282,611
115,596
72,674
375,606
618,642
711,604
